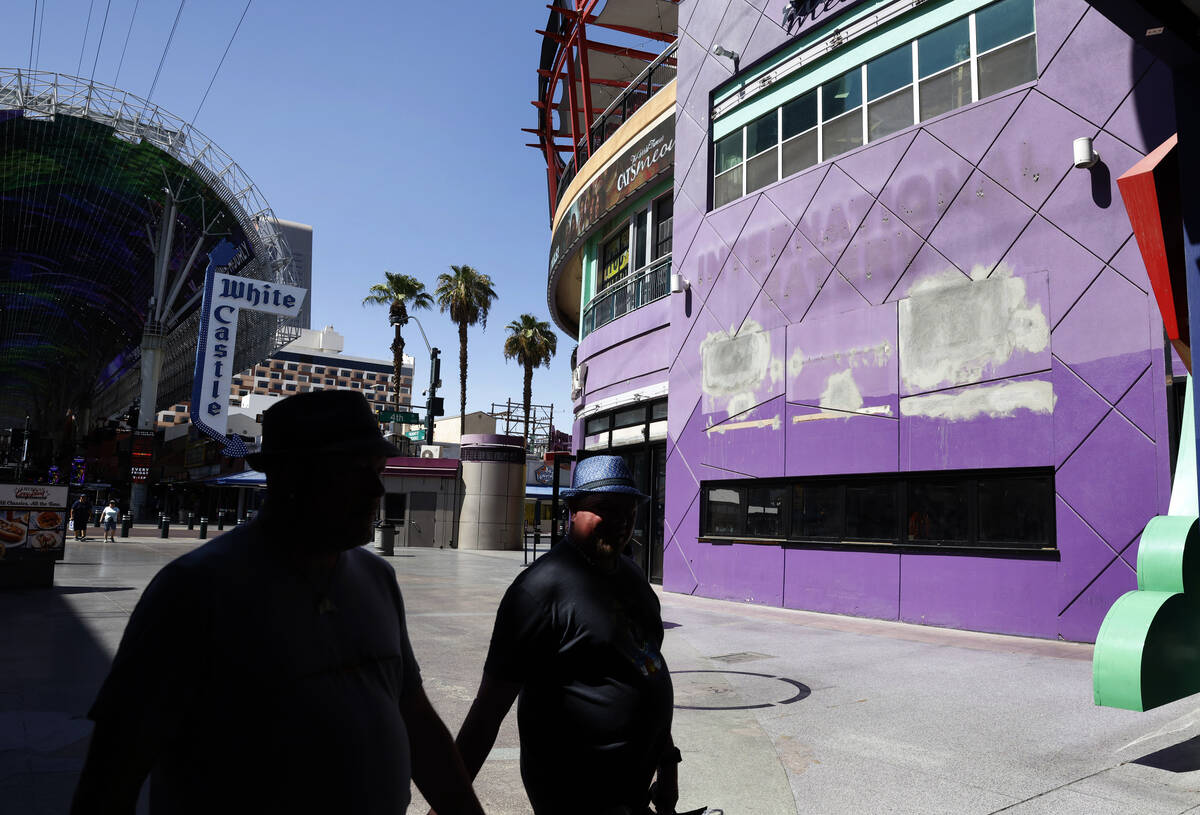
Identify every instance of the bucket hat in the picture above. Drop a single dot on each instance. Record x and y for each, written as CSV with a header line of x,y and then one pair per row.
x,y
320,423
602,474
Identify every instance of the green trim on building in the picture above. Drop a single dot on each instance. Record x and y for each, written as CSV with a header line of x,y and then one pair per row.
x,y
930,16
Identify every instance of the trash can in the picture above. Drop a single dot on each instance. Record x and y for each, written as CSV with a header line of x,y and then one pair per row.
x,y
386,538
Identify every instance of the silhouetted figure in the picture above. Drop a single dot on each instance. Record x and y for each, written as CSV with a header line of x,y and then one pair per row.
x,y
270,669
578,636
81,513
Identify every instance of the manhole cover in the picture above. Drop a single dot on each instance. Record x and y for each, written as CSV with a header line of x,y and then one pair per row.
x,y
734,690
740,656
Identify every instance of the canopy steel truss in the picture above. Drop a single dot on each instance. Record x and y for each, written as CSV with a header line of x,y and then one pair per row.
x,y
110,207
577,72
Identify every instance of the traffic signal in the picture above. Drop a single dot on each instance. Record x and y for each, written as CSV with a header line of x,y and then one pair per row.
x,y
437,369
436,406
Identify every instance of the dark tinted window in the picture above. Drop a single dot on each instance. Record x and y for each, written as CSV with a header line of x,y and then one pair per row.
x,y
630,417
1015,510
724,511
800,114
871,511
762,133
658,410
597,425
764,512
938,511
816,510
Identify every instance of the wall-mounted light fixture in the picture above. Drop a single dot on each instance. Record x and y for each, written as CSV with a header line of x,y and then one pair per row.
x,y
725,52
1085,156
679,283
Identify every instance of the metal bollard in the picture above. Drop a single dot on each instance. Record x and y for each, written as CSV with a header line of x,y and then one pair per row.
x,y
203,527
220,520
537,538
126,522
164,527
191,521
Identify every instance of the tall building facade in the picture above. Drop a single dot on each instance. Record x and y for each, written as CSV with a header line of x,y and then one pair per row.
x,y
906,363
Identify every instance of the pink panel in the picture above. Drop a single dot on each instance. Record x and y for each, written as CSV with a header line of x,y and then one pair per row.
x,y
835,213
980,225
878,254
1071,268
1006,596
841,443
749,573
999,437
864,584
924,183
1022,159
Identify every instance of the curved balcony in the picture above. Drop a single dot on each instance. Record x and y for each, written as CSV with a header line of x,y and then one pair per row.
x,y
637,290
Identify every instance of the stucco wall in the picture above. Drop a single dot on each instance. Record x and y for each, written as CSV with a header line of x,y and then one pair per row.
x,y
954,296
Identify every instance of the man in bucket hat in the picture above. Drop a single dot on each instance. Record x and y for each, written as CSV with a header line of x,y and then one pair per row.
x,y
270,669
578,635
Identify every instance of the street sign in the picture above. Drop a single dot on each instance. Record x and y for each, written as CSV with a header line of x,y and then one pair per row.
x,y
402,416
416,435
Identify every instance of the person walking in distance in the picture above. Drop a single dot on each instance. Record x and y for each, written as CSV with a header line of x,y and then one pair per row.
x,y
270,670
108,521
578,636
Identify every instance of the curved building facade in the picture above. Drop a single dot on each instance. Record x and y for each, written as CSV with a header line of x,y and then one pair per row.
x,y
912,365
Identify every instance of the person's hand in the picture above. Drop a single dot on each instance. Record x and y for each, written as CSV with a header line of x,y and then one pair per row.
x,y
665,792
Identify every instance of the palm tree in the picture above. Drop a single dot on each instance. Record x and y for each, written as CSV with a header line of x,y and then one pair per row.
x,y
530,342
399,293
468,295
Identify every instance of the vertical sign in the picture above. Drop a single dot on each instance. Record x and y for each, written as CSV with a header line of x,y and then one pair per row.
x,y
224,297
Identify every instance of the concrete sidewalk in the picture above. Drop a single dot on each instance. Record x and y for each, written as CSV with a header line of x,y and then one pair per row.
x,y
777,711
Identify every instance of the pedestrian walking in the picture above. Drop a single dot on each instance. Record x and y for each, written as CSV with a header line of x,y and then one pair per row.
x,y
270,670
108,521
578,636
81,513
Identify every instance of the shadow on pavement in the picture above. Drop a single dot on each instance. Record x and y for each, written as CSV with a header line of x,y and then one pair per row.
x,y
1178,758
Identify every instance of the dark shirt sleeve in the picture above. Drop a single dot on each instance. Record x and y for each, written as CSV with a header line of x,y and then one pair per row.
x,y
523,639
160,661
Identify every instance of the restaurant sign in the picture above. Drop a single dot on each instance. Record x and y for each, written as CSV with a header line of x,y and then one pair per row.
x,y
649,156
225,296
33,521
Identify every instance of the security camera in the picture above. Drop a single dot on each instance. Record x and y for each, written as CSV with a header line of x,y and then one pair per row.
x,y
1085,156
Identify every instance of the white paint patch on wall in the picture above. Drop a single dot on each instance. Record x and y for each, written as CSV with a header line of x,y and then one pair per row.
x,y
994,401
842,393
952,331
735,370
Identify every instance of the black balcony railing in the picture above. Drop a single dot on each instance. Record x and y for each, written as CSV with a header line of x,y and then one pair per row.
x,y
649,82
628,295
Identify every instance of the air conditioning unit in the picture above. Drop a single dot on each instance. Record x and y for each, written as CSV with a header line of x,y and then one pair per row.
x,y
430,451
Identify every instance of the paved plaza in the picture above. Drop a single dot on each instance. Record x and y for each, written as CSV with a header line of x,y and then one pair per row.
x,y
777,711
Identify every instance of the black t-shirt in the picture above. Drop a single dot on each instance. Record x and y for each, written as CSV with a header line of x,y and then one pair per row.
x,y
596,698
260,694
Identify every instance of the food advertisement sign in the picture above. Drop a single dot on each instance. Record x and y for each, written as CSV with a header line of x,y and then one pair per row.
x,y
33,521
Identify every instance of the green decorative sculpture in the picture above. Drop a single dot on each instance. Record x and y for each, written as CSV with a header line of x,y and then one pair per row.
x,y
1148,649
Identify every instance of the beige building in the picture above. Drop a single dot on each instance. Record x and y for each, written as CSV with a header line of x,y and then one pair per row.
x,y
313,362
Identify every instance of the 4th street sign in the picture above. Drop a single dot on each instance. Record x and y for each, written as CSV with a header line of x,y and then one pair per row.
x,y
402,416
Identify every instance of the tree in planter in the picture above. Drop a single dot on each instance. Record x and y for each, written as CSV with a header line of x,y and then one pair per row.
x,y
399,293
531,342
468,295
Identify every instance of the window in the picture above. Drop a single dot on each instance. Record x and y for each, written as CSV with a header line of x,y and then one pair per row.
x,y
724,511
728,163
966,60
596,425
630,416
275,374
889,92
291,366
614,258
800,133
663,209
989,509
289,387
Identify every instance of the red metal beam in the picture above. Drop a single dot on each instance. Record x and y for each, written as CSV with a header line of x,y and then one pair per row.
x,y
588,116
637,32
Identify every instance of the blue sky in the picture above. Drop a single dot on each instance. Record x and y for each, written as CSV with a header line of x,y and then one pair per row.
x,y
394,128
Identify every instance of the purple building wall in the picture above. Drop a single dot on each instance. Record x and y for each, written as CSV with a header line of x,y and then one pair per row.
x,y
832,309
